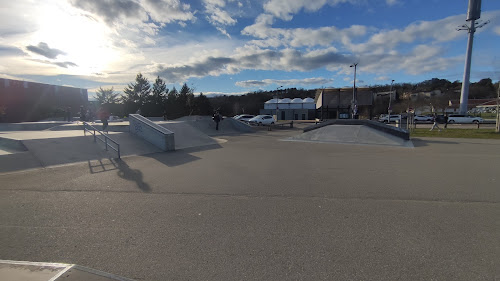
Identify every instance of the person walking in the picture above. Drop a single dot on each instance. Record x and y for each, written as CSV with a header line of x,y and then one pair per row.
x,y
435,124
446,121
216,117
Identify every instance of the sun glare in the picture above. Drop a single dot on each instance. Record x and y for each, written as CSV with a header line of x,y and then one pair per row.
x,y
85,41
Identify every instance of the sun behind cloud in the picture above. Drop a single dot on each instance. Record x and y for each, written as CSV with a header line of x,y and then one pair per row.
x,y
82,40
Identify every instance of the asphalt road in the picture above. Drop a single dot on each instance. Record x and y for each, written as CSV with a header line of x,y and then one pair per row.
x,y
257,208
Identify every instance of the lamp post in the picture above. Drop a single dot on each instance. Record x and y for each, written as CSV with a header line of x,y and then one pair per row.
x,y
389,109
354,103
277,91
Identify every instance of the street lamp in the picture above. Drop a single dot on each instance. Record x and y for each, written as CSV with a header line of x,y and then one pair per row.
x,y
277,91
354,103
389,109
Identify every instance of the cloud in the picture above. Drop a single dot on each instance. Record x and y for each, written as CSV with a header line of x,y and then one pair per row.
x,y
7,51
64,64
497,30
256,59
267,82
112,11
117,12
165,11
218,16
299,37
392,2
285,9
382,78
43,49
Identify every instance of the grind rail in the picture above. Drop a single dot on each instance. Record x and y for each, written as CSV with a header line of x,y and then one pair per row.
x,y
93,131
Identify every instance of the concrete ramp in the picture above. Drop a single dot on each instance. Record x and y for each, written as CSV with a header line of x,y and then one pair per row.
x,y
187,136
38,271
228,126
351,134
50,148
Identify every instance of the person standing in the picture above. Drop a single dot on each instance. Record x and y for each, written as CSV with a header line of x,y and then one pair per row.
x,y
216,118
435,124
103,114
68,113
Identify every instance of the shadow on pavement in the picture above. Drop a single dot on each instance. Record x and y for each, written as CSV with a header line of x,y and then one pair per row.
x,y
181,156
102,165
420,142
127,173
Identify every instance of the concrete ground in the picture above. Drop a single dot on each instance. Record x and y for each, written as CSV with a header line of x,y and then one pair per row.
x,y
259,208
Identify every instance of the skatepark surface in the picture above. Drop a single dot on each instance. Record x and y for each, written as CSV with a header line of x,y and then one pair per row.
x,y
351,134
258,208
228,126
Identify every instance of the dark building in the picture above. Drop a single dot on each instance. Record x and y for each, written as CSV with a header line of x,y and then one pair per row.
x,y
337,103
22,101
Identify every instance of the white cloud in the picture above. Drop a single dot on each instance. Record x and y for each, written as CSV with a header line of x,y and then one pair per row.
x,y
218,16
267,82
285,9
392,2
382,78
497,30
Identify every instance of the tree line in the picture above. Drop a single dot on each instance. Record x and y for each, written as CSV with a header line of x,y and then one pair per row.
x,y
157,100
154,100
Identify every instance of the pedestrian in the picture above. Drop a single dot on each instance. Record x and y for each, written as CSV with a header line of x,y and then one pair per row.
x,y
82,114
165,115
435,124
446,121
68,113
103,114
216,117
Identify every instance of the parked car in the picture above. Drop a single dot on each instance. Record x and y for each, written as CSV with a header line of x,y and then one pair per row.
x,y
457,118
393,118
244,117
262,120
422,118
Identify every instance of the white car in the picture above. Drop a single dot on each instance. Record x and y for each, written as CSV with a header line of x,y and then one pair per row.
x,y
457,118
393,118
244,117
422,118
262,120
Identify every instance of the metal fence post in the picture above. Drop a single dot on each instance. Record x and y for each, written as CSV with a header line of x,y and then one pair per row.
x,y
106,142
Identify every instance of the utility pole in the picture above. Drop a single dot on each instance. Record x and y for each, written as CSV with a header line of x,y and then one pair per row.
x,y
277,102
389,108
354,104
473,14
497,127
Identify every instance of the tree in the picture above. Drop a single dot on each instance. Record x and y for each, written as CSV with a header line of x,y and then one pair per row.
x,y
136,94
105,96
154,104
202,105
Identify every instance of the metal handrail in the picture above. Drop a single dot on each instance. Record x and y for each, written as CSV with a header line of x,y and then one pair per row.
x,y
106,138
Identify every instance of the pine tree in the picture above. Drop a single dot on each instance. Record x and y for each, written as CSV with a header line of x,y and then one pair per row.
x,y
136,94
105,96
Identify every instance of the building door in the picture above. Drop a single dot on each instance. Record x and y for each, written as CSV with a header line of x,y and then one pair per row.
x,y
283,115
303,116
296,117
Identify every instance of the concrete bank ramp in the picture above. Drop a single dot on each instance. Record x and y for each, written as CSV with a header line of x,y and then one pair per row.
x,y
228,126
351,134
187,136
50,148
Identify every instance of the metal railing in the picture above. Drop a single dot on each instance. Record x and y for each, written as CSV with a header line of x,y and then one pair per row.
x,y
92,130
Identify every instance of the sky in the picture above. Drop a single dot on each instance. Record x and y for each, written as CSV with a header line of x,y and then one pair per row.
x,y
241,46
